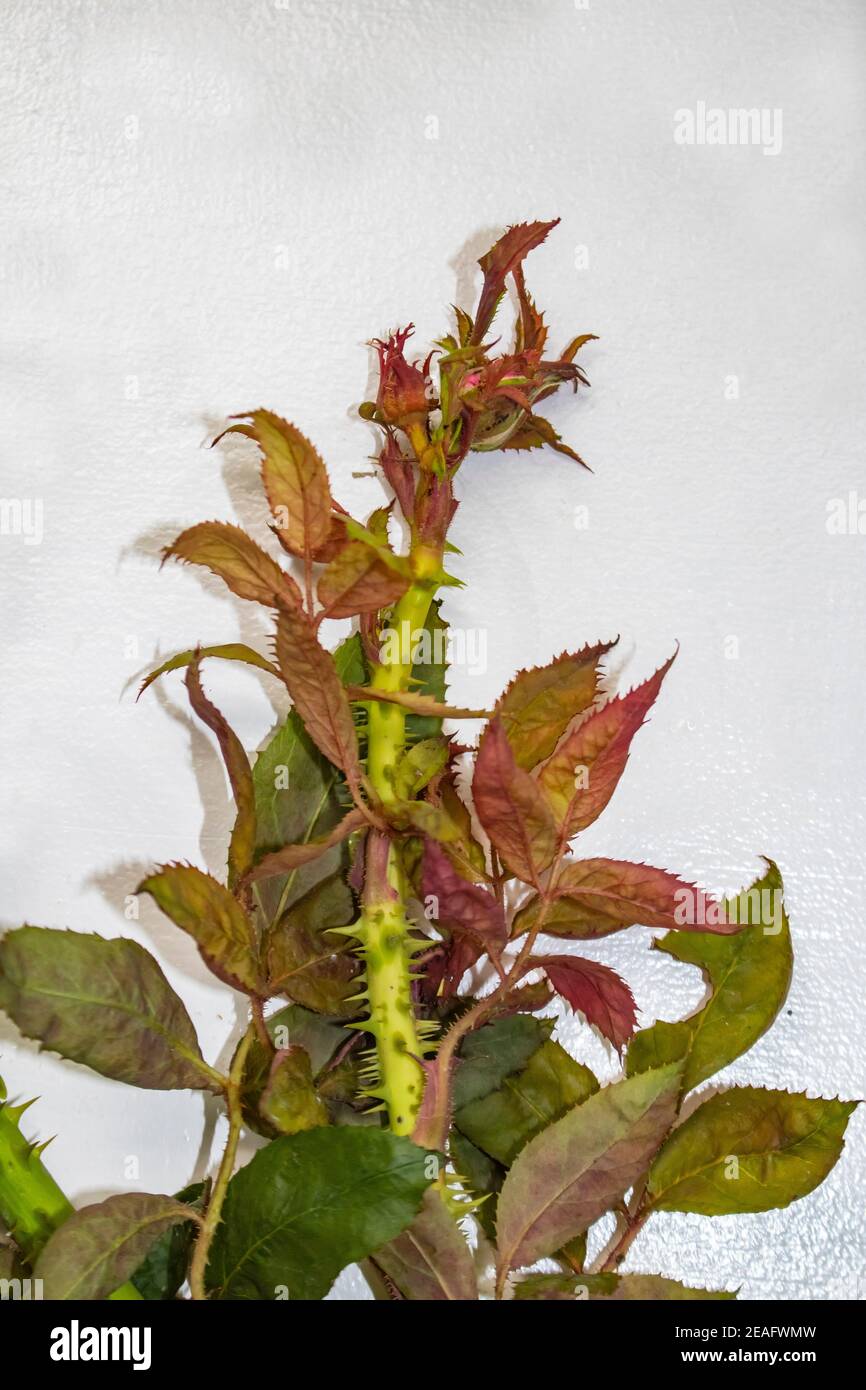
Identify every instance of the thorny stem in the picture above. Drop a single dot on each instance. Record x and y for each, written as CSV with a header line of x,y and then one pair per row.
x,y
384,927
198,1265
32,1205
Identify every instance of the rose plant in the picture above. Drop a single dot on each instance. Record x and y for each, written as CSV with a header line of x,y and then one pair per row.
x,y
399,912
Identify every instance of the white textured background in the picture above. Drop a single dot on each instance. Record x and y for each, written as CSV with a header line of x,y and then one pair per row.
x,y
211,206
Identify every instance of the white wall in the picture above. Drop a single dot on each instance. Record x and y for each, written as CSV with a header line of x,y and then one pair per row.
x,y
210,207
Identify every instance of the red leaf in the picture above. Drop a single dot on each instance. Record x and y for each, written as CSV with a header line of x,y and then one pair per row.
x,y
511,808
461,907
581,776
531,331
318,693
446,967
230,553
243,840
535,432
540,703
283,861
502,260
357,581
296,483
594,897
596,991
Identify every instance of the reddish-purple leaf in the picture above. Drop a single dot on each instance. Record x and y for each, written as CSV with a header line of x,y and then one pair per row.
x,y
243,839
430,1260
535,432
539,704
290,857
578,1167
318,693
296,483
216,921
228,651
357,581
502,260
415,701
511,808
594,897
531,330
581,776
234,557
461,907
596,991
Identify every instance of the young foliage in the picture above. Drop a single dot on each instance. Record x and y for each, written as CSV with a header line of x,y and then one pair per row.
x,y
396,918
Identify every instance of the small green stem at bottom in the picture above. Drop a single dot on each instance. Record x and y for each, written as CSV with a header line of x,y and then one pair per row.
x,y
198,1264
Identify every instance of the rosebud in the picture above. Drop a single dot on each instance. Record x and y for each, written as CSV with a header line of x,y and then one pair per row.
x,y
404,389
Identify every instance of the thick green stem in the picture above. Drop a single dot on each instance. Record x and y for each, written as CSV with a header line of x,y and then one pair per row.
x,y
384,927
32,1206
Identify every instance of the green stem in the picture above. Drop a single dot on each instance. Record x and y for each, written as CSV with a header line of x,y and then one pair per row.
x,y
198,1264
384,927
32,1205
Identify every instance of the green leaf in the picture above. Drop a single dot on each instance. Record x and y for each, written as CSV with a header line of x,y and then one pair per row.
x,y
551,1083
289,1102
100,1246
612,1288
480,1176
430,1260
295,1026
748,1150
576,1168
419,764
104,1003
573,1253
749,974
491,1053
164,1268
304,962
289,1028
215,920
308,1205
297,795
